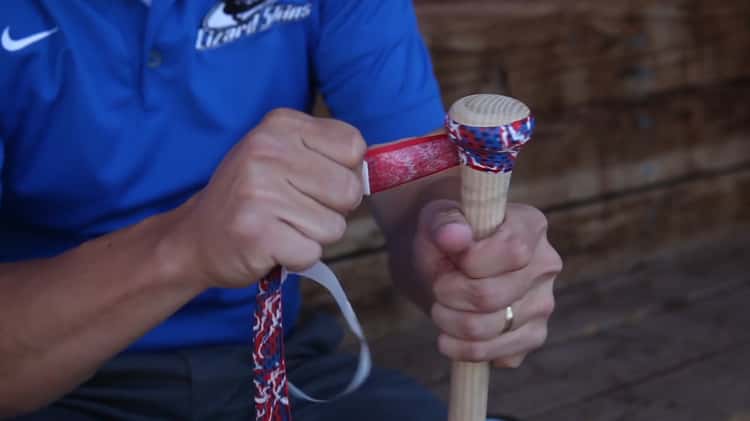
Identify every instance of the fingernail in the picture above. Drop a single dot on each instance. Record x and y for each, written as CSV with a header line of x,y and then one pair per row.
x,y
453,216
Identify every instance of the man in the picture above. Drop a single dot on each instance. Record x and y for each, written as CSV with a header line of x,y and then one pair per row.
x,y
157,160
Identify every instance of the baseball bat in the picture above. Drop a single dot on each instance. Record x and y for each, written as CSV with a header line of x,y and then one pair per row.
x,y
489,131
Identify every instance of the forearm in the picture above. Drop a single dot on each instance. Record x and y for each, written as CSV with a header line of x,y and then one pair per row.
x,y
397,213
62,317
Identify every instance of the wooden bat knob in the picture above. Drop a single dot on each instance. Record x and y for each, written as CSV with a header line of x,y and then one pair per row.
x,y
489,131
486,110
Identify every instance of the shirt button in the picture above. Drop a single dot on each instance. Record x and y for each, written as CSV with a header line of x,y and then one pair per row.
x,y
154,59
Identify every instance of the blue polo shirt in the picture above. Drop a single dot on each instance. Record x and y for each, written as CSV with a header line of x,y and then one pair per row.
x,y
113,111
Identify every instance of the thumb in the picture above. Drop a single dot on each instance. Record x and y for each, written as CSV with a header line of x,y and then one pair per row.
x,y
447,227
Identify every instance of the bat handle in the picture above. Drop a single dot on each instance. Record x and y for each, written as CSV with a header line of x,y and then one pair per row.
x,y
483,198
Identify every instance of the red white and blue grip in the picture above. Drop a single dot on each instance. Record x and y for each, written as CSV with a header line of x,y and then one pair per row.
x,y
490,149
269,364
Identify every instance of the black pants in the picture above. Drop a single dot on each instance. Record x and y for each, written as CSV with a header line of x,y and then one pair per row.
x,y
215,383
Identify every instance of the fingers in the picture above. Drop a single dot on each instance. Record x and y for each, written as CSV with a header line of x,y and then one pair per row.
x,y
446,227
292,249
471,336
517,342
333,185
515,266
513,361
311,218
455,291
322,158
336,140
276,198
537,304
475,326
430,260
511,248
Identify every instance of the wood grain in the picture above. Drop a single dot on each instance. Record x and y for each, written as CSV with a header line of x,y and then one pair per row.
x,y
556,54
589,153
597,239
661,317
642,151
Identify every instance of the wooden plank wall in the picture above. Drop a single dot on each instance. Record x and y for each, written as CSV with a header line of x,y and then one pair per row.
x,y
643,143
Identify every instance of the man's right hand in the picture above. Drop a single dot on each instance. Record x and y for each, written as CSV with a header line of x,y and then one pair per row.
x,y
279,195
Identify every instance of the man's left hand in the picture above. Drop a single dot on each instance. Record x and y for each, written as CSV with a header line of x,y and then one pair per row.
x,y
473,282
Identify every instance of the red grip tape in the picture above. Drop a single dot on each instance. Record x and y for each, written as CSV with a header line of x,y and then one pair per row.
x,y
399,163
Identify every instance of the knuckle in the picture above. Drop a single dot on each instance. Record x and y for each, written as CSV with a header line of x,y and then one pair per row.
x,y
514,362
547,306
549,264
539,220
259,266
281,114
510,362
308,255
252,191
519,252
442,290
315,254
444,346
539,336
360,147
482,297
247,227
248,186
263,148
336,229
556,262
533,216
347,139
356,146
354,191
472,327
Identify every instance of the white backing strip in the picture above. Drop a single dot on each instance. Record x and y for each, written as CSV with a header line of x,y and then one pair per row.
x,y
366,178
323,275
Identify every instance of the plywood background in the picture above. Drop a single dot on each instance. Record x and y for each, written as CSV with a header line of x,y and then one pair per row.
x,y
643,145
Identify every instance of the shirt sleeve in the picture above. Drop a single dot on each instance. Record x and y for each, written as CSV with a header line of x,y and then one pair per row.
x,y
374,70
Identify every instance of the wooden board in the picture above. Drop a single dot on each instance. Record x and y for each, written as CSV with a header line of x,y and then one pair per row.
x,y
583,153
611,362
642,150
710,387
629,95
613,233
663,318
588,153
555,54
595,239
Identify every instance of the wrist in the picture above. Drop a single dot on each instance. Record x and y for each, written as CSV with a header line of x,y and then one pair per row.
x,y
174,256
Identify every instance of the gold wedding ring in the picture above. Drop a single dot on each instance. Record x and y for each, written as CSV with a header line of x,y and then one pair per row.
x,y
508,320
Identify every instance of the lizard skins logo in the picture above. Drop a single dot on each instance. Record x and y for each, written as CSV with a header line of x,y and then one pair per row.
x,y
232,20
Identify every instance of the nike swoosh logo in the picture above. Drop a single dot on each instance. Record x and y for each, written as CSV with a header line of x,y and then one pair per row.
x,y
10,44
